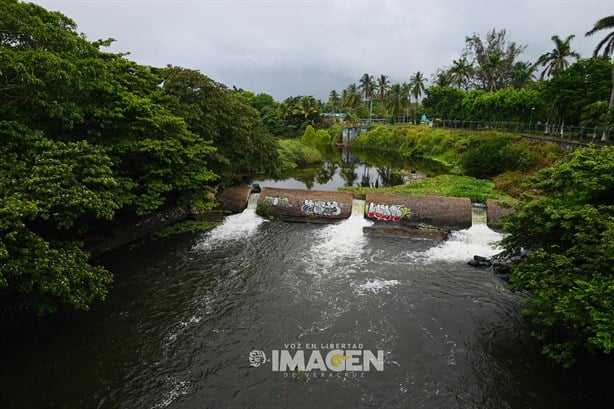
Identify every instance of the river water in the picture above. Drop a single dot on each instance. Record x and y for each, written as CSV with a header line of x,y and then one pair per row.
x,y
184,313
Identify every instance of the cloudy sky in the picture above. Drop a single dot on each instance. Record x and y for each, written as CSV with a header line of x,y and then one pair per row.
x,y
309,47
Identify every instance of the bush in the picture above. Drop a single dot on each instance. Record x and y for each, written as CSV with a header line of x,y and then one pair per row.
x,y
488,159
292,153
569,229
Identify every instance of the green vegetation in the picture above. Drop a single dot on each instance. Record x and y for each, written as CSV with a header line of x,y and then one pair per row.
x,y
478,190
292,153
569,229
481,154
188,226
89,138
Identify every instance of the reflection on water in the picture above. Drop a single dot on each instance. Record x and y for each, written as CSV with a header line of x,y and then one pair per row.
x,y
352,168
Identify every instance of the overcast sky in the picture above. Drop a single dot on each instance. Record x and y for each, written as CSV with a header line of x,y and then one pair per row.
x,y
309,47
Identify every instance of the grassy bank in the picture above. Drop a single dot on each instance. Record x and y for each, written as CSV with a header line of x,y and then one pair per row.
x,y
478,190
502,157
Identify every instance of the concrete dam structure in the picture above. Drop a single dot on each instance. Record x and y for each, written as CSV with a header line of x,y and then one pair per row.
x,y
392,214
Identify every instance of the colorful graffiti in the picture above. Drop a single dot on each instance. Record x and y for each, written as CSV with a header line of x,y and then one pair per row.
x,y
320,208
387,212
277,201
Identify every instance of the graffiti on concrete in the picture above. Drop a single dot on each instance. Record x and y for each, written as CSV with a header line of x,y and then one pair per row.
x,y
379,211
320,208
277,201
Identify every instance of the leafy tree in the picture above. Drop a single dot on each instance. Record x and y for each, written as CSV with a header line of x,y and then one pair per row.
x,y
569,230
556,60
443,102
582,84
607,47
49,191
213,113
488,159
87,137
493,58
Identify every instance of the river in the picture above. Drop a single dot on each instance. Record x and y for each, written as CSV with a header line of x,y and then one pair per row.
x,y
184,313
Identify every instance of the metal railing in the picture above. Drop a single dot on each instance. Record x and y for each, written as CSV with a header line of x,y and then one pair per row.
x,y
579,134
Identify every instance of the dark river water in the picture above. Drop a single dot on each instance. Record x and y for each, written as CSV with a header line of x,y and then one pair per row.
x,y
184,313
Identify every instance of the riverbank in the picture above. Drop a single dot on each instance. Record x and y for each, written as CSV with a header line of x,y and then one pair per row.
x,y
502,157
477,190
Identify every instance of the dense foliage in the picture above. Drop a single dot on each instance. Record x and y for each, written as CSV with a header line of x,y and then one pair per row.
x,y
87,137
569,230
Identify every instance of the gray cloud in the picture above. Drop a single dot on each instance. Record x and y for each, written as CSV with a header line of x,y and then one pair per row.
x,y
310,47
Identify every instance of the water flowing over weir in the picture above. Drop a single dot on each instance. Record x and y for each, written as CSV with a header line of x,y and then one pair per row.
x,y
237,226
185,313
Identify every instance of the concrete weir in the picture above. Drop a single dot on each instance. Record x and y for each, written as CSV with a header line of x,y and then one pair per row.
x,y
439,211
305,205
394,214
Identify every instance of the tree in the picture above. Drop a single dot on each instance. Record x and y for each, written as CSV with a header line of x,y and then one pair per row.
x,y
493,58
461,73
351,96
556,60
568,229
87,135
522,74
333,99
443,102
583,83
367,86
306,107
442,78
607,47
49,191
417,85
397,100
383,84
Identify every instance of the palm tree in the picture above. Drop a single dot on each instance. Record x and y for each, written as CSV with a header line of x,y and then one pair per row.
x,y
492,70
442,78
556,60
416,85
351,97
522,74
382,85
461,72
607,46
367,85
306,107
282,110
333,98
397,100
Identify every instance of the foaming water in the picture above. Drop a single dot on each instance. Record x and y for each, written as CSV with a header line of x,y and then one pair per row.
x,y
375,286
235,227
180,324
344,240
462,245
